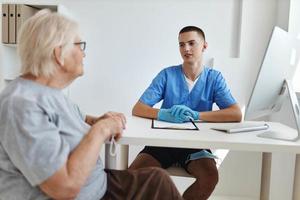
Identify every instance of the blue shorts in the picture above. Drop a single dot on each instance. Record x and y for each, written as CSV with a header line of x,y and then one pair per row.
x,y
168,156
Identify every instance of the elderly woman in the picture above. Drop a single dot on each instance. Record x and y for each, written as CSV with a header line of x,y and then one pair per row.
x,y
48,148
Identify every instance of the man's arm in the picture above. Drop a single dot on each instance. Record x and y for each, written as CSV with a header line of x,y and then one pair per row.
x,y
67,181
142,110
231,114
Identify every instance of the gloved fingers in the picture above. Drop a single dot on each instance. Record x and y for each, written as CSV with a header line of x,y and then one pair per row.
x,y
180,120
162,115
185,114
195,115
175,110
177,114
165,115
185,118
188,113
178,110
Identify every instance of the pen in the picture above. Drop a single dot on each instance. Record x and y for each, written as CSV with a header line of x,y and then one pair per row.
x,y
192,121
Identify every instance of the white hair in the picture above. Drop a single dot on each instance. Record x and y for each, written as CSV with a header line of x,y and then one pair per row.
x,y
38,38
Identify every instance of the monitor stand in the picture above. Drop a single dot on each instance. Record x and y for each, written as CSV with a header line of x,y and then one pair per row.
x,y
287,85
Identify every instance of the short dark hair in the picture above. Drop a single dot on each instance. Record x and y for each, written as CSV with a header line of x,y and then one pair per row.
x,y
192,28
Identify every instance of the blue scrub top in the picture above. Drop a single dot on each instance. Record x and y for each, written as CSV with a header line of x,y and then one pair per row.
x,y
171,87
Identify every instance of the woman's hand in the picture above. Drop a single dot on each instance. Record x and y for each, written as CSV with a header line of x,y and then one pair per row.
x,y
67,181
110,124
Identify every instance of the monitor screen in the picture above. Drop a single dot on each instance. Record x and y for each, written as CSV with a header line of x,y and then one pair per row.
x,y
280,61
273,83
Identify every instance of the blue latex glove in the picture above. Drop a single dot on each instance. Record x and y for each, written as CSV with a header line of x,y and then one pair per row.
x,y
165,115
182,111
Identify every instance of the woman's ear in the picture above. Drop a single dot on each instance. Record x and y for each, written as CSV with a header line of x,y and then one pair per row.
x,y
57,56
205,45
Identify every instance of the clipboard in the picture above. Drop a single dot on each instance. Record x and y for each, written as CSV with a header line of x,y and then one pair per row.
x,y
155,124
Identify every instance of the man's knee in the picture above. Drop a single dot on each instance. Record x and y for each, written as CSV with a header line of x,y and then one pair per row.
x,y
205,172
209,179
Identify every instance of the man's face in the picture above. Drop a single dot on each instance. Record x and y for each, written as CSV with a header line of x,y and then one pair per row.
x,y
191,46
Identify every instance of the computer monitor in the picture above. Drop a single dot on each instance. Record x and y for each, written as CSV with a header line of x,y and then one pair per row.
x,y
273,82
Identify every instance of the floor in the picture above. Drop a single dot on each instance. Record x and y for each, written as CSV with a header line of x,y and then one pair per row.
x,y
183,183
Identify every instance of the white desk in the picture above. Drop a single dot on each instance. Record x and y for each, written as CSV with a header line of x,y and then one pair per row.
x,y
139,132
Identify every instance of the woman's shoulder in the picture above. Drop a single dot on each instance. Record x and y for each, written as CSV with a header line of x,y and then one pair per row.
x,y
21,92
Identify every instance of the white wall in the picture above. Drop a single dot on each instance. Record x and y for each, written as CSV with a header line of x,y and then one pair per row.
x,y
294,27
130,41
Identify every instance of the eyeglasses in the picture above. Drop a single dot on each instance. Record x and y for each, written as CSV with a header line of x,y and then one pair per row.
x,y
82,45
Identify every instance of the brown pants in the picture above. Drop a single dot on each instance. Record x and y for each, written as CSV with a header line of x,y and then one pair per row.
x,y
142,184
